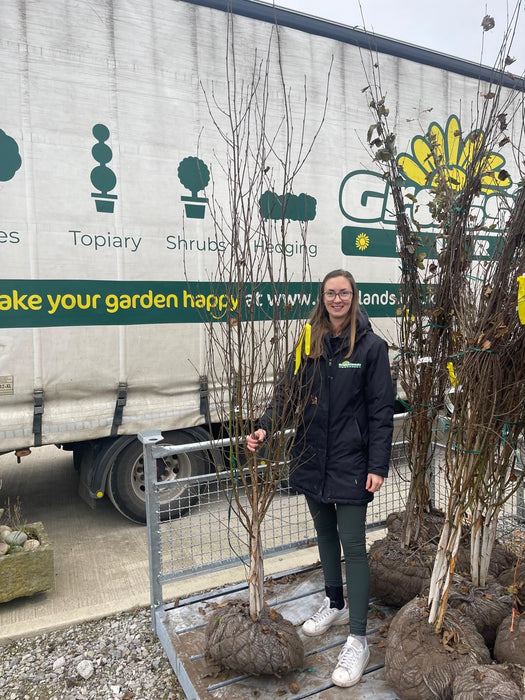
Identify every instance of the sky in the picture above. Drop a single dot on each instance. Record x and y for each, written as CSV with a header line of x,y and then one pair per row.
x,y
449,26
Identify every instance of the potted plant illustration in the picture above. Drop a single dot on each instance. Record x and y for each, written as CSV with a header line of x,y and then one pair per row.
x,y
194,175
102,177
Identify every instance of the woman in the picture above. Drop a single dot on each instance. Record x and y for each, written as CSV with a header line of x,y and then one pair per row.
x,y
343,444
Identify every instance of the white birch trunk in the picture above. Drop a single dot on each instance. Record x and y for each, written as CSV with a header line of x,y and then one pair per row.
x,y
256,578
443,568
484,525
475,544
489,537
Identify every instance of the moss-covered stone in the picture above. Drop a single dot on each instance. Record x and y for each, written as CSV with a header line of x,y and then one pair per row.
x,y
28,572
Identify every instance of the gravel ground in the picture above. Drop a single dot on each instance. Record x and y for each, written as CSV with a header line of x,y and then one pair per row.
x,y
116,658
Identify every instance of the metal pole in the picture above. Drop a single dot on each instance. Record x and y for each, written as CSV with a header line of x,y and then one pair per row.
x,y
149,439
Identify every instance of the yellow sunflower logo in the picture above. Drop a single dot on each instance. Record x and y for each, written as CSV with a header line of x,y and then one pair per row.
x,y
446,153
362,241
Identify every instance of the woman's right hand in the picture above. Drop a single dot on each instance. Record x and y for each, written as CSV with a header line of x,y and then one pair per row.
x,y
255,440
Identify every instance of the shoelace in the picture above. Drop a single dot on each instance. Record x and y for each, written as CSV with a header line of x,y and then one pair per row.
x,y
321,614
348,656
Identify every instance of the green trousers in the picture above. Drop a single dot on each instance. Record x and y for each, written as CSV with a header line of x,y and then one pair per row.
x,y
336,526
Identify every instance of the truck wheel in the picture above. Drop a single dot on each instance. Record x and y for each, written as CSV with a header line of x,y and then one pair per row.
x,y
126,485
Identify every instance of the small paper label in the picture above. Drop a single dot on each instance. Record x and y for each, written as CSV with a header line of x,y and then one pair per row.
x,y
6,385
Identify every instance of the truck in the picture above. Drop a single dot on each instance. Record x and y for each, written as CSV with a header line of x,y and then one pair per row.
x,y
108,158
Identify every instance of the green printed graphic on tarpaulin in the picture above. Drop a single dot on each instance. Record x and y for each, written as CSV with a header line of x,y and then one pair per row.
x,y
47,303
381,243
445,153
102,177
373,242
41,303
10,158
301,207
194,175
482,247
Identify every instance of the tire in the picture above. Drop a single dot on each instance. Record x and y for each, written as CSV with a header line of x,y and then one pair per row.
x,y
126,485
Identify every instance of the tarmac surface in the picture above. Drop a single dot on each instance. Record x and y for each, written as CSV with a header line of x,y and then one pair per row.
x,y
101,559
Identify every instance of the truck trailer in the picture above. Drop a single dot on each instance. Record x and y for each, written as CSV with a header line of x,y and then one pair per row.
x,y
109,162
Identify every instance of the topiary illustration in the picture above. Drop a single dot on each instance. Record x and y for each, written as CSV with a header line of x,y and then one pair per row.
x,y
102,177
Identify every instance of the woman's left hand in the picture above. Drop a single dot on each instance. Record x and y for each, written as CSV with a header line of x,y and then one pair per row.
x,y
374,482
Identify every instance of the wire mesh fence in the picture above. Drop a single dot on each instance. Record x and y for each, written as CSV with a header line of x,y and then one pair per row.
x,y
511,521
201,532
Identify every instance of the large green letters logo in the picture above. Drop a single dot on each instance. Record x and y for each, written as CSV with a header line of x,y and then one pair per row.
x,y
364,196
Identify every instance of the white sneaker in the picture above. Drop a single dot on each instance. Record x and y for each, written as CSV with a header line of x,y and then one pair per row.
x,y
351,663
324,618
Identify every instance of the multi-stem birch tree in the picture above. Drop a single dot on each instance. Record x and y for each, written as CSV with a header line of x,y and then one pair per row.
x,y
464,336
266,133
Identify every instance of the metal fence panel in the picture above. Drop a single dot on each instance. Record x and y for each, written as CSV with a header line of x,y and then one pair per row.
x,y
208,535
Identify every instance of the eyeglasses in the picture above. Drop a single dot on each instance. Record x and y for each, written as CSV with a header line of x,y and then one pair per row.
x,y
344,295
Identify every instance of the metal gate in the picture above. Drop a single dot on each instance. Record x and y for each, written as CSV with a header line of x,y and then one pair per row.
x,y
209,536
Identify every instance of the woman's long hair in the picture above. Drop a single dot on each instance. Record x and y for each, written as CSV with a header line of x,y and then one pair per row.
x,y
320,320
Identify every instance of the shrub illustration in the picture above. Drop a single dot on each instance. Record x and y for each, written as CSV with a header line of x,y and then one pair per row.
x,y
193,174
10,159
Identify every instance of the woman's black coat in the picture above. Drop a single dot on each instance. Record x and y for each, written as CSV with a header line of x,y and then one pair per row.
x,y
345,409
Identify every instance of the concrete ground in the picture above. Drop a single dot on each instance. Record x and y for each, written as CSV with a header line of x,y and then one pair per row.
x,y
101,559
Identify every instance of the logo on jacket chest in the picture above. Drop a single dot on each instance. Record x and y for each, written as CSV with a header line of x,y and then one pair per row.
x,y
349,365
